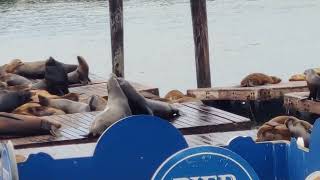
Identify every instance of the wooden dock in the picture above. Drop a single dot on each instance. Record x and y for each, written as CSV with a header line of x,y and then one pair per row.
x,y
86,149
297,101
195,119
237,93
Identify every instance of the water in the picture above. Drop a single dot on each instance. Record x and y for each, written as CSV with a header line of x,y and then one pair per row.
x,y
275,37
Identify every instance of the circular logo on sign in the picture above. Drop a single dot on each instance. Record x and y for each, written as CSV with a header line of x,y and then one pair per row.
x,y
205,163
314,176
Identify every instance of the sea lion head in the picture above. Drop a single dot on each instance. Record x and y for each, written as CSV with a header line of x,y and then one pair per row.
x,y
309,72
299,128
275,80
97,103
13,65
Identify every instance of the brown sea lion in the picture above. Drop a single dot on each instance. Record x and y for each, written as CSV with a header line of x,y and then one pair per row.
x,y
176,96
35,109
14,79
21,125
137,102
259,79
313,82
11,100
56,78
97,103
275,129
44,93
13,65
66,105
34,70
117,108
298,77
299,128
81,74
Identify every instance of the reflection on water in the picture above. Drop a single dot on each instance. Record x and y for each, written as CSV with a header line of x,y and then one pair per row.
x,y
275,37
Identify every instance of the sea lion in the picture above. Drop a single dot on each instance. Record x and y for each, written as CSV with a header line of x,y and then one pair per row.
x,y
259,79
313,82
275,129
163,109
97,103
56,77
35,109
298,77
176,96
34,70
137,102
299,128
11,100
44,93
21,125
81,74
14,79
117,108
66,105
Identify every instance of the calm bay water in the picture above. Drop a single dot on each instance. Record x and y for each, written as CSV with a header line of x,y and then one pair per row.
x,y
274,37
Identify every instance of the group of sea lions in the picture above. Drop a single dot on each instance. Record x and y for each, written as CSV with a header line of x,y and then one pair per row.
x,y
124,101
32,89
285,128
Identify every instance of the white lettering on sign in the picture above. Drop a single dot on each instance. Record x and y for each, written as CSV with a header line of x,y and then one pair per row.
x,y
214,177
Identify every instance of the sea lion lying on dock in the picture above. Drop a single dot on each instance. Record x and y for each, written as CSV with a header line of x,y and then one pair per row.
x,y
12,124
11,100
313,82
14,79
117,108
285,128
68,106
35,109
298,77
299,128
259,79
176,96
44,93
163,109
34,70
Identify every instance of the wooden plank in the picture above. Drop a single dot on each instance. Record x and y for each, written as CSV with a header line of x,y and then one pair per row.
x,y
266,92
101,90
297,101
192,121
201,44
87,149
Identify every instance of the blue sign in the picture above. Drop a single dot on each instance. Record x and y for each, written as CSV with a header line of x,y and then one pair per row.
x,y
205,163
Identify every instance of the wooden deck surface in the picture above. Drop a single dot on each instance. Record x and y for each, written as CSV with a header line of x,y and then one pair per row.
x,y
266,92
195,119
85,150
297,101
101,89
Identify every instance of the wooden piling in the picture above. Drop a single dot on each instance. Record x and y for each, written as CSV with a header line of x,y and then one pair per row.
x,y
116,29
200,35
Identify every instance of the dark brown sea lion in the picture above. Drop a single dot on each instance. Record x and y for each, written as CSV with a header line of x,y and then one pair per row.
x,y
97,103
299,128
56,77
313,82
163,109
259,79
137,102
36,69
21,125
35,109
275,129
66,105
11,100
81,74
117,108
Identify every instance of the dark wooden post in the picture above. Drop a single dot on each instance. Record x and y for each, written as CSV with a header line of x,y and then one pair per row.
x,y
200,36
116,29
